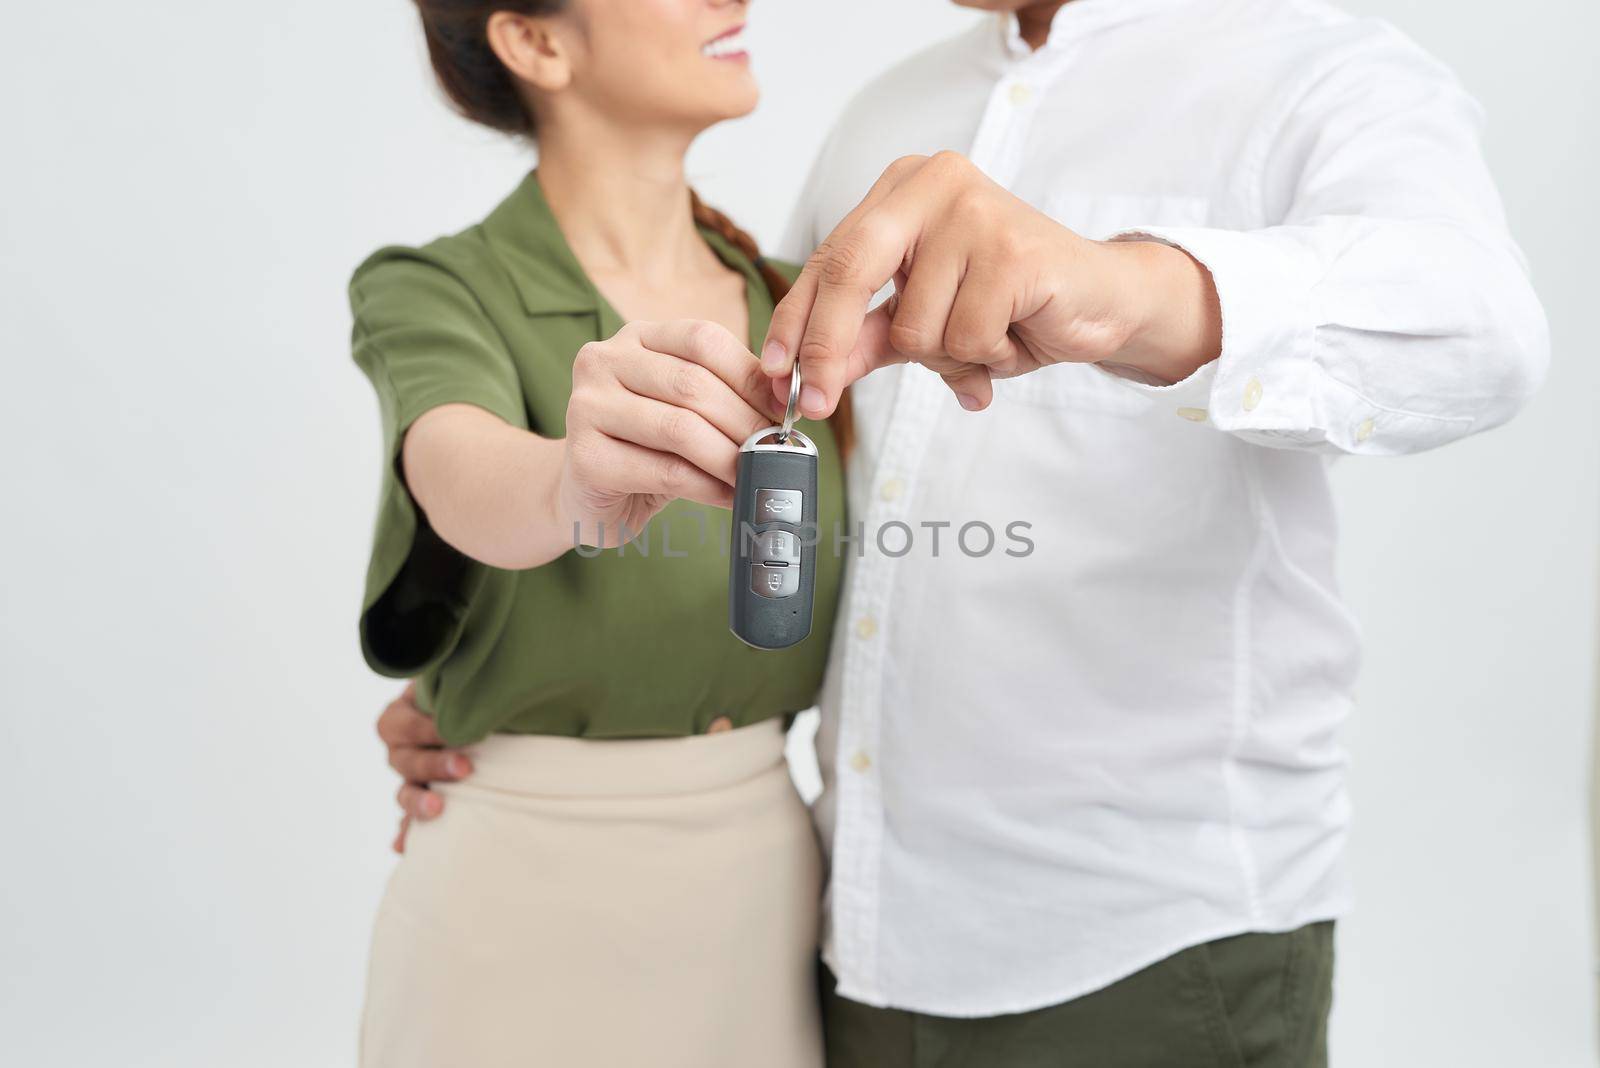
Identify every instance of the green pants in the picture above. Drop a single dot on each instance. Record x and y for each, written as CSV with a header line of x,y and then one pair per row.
x,y
1251,1001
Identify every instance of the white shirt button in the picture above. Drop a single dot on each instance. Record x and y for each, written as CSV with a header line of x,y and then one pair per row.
x,y
861,762
1021,94
1364,431
866,627
891,489
1252,394
1194,415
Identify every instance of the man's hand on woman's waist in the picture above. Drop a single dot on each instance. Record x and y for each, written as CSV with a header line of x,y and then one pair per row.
x,y
418,753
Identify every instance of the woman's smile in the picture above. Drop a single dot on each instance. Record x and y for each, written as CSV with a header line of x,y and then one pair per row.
x,y
728,46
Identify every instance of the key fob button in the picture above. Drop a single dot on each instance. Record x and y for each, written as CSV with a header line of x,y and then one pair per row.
x,y
778,506
774,582
777,546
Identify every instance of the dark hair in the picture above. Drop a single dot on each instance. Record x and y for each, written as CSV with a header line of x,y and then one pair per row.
x,y
471,75
480,87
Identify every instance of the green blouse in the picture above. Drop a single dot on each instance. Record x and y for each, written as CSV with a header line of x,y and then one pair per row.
x,y
629,642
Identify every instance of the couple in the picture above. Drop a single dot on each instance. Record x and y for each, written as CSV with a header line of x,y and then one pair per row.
x,y
1084,804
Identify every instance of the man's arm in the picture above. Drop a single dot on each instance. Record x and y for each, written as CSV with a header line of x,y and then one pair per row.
x,y
1387,312
985,286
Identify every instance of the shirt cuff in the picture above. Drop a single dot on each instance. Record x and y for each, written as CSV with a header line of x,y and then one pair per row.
x,y
1262,386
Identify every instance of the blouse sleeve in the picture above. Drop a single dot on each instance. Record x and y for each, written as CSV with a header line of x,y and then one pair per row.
x,y
423,340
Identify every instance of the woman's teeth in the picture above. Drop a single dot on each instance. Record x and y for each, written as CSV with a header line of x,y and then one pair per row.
x,y
723,47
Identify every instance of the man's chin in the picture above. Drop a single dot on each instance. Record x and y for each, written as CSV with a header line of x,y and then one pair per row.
x,y
994,5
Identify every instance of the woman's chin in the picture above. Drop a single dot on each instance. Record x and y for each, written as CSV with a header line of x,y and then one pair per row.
x,y
707,105
737,103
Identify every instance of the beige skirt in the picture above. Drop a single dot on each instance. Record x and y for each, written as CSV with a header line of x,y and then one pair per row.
x,y
615,904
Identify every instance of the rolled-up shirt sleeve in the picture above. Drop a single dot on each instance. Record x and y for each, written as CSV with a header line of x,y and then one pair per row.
x,y
1389,310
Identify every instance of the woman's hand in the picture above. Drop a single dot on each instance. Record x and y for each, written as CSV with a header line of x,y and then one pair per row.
x,y
658,412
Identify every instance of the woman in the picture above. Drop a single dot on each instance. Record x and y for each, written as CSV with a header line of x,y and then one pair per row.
x,y
629,878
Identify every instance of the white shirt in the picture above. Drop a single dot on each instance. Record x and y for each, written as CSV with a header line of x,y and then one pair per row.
x,y
1045,772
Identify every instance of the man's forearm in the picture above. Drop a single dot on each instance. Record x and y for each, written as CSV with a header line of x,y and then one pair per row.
x,y
1171,302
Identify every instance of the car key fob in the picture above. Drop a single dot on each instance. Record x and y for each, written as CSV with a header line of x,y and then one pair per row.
x,y
774,546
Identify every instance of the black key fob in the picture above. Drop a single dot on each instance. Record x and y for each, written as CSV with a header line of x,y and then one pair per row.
x,y
774,548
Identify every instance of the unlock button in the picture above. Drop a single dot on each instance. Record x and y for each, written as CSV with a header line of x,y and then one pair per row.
x,y
777,547
774,580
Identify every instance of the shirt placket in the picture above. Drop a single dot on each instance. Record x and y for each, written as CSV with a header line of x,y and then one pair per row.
x,y
919,398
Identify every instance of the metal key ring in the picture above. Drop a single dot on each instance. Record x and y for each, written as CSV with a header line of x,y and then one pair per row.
x,y
793,406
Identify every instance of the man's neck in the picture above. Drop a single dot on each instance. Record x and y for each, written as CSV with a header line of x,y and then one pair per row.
x,y
1033,21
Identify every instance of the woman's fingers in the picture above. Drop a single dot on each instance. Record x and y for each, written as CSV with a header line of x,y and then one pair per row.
x,y
714,348
664,428
690,387
660,411
624,467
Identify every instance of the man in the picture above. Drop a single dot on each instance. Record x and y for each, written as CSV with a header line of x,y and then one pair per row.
x,y
1086,805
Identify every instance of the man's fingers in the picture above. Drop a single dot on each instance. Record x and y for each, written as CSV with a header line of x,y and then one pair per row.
x,y
971,383
429,765
791,319
978,330
419,802
399,843
924,299
403,723
873,348
850,271
930,280
871,352
788,326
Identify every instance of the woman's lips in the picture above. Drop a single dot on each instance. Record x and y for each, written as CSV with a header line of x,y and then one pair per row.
x,y
729,45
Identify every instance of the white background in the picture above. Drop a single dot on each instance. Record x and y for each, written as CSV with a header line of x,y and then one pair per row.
x,y
194,814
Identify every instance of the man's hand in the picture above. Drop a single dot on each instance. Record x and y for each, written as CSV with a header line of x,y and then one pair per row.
x,y
417,752
985,286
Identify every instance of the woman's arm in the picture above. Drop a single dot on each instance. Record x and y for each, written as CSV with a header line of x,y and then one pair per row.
x,y
657,413
488,489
